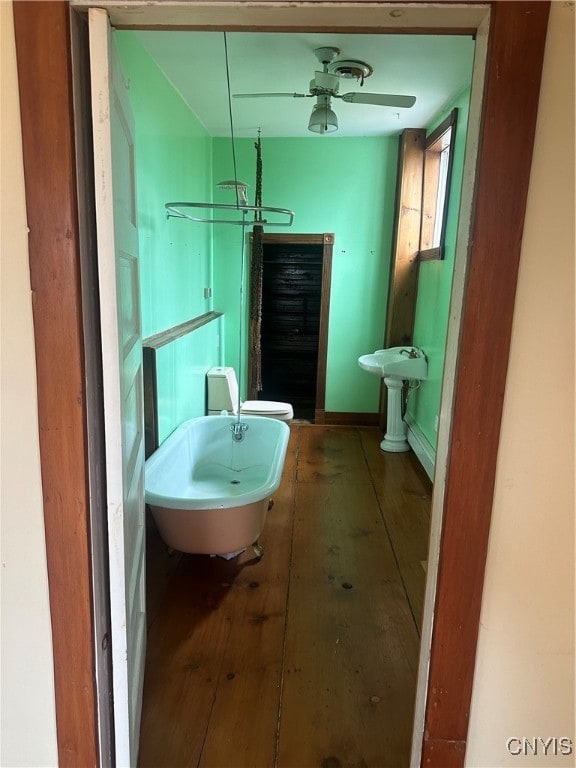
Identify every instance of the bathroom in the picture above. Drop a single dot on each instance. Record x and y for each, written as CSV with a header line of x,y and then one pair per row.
x,y
189,270
343,185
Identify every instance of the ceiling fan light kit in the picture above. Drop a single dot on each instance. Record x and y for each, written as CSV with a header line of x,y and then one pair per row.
x,y
323,119
325,86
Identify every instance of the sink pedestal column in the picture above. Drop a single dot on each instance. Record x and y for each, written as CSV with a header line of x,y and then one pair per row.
x,y
395,437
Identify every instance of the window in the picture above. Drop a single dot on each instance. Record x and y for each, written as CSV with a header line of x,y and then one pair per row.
x,y
438,155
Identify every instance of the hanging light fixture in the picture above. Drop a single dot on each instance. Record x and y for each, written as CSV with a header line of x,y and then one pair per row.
x,y
323,118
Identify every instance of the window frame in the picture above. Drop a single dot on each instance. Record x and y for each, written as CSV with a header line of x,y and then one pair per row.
x,y
440,140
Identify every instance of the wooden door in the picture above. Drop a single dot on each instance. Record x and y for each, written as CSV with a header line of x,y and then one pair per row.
x,y
291,304
117,241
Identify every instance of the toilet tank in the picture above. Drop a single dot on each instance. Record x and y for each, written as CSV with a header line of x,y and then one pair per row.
x,y
222,389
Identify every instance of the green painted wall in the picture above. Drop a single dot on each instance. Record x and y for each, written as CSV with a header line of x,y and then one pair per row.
x,y
182,367
173,161
434,290
173,157
340,185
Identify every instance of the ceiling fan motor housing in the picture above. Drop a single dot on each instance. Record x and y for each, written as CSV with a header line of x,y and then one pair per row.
x,y
324,82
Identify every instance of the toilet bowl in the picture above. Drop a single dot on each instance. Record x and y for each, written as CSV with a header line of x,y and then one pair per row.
x,y
223,396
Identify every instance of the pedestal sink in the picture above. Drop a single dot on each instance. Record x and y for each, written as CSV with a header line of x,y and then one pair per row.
x,y
395,365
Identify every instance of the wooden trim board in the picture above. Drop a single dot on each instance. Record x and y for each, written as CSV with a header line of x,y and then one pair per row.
x,y
162,338
48,141
404,263
514,66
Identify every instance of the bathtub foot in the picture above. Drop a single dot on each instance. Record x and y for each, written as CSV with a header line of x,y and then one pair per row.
x,y
258,550
270,504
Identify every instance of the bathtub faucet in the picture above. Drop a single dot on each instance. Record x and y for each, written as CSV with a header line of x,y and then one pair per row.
x,y
238,429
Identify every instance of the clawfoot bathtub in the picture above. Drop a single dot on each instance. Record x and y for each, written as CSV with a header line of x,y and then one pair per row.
x,y
208,492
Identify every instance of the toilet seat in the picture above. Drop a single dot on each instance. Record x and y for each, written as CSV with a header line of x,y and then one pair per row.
x,y
222,391
267,408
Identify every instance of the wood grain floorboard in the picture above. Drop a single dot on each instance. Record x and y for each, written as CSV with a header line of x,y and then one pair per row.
x,y
405,495
244,718
331,454
186,644
307,657
161,565
351,647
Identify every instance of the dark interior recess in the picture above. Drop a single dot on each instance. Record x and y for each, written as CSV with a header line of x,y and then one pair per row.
x,y
291,300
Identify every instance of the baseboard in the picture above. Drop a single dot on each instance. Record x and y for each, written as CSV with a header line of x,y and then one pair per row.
x,y
425,453
346,419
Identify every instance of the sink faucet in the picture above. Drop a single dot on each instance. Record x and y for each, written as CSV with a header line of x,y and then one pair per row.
x,y
410,352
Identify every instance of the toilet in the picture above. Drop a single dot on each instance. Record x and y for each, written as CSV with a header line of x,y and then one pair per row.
x,y
223,396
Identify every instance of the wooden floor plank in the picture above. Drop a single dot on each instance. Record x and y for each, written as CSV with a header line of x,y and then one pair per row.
x,y
351,646
161,564
331,454
243,722
405,496
186,644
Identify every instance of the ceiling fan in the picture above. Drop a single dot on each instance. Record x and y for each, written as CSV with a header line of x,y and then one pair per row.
x,y
325,86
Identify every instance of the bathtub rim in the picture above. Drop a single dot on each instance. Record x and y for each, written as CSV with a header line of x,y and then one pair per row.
x,y
193,504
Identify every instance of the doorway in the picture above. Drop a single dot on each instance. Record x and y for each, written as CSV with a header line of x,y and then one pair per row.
x,y
296,279
496,237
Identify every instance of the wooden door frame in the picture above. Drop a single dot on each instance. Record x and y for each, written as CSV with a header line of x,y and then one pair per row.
x,y
514,66
326,240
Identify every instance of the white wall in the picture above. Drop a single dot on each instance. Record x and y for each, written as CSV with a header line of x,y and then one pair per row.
x,y
27,725
524,682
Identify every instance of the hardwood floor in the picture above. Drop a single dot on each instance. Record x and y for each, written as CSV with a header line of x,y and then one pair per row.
x,y
306,658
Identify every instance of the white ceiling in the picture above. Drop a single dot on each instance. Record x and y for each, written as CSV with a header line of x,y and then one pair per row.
x,y
433,68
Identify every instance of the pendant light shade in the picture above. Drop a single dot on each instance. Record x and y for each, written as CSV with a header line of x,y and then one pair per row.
x,y
323,119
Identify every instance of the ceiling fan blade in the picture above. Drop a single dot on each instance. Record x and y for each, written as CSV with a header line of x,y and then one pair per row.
x,y
270,95
379,99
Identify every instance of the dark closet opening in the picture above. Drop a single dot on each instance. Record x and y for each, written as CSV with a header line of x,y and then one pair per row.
x,y
295,301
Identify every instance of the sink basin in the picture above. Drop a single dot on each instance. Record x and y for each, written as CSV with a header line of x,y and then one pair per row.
x,y
396,365
396,362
